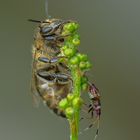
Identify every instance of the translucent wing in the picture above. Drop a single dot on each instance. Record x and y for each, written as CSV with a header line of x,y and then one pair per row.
x,y
34,93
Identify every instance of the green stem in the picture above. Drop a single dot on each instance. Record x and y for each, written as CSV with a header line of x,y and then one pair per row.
x,y
74,122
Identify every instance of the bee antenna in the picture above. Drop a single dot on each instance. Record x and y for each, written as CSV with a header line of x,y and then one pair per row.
x,y
32,20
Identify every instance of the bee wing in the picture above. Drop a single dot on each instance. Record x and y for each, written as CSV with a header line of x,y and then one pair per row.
x,y
33,92
36,100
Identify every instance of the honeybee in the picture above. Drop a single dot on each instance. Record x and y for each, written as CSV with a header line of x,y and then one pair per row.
x,y
51,79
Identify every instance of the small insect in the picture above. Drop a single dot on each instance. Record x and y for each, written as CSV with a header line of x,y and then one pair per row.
x,y
94,108
51,79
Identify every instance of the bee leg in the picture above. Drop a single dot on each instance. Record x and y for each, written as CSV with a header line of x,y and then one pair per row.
x,y
32,20
89,109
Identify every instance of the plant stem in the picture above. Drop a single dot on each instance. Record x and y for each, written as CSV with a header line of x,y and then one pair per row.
x,y
74,122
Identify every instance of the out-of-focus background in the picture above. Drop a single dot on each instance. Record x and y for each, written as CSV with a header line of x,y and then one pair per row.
x,y
110,35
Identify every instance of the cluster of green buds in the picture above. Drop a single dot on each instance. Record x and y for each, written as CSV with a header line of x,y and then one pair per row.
x,y
69,48
70,105
76,62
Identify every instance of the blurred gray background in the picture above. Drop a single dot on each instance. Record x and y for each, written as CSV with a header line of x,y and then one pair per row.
x,y
110,35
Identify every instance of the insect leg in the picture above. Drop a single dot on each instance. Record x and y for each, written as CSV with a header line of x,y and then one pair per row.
x,y
94,108
37,21
87,110
32,20
95,121
96,104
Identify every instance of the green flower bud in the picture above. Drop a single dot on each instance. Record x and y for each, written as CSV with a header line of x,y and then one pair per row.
x,y
77,102
74,60
88,65
77,36
71,27
64,47
76,41
82,57
70,97
63,103
69,52
69,112
82,65
69,44
84,86
84,79
75,26
85,65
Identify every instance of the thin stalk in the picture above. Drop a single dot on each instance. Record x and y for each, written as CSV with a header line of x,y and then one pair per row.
x,y
74,122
